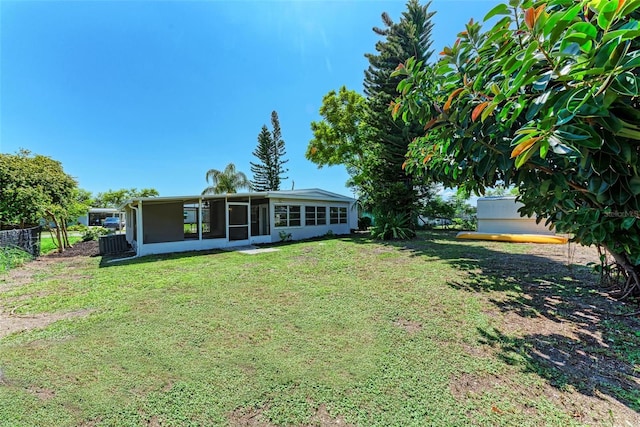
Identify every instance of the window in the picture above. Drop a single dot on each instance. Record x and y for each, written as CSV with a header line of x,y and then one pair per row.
x,y
337,215
343,215
315,215
287,216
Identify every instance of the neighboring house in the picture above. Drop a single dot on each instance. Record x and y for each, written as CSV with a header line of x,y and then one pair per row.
x,y
157,225
96,216
500,215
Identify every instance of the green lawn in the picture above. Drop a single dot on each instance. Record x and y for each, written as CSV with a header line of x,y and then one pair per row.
x,y
48,244
346,330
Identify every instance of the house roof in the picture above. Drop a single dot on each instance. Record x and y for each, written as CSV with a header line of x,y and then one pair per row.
x,y
308,194
103,210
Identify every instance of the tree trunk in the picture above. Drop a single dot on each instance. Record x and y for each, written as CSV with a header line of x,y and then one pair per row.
x,y
58,234
631,274
65,234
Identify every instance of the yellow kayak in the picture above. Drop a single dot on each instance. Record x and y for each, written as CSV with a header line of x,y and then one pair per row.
x,y
514,238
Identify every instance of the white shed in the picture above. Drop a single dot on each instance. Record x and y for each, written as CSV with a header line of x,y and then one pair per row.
x,y
500,215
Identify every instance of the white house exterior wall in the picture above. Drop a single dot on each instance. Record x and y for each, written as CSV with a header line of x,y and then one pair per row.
x,y
183,246
303,231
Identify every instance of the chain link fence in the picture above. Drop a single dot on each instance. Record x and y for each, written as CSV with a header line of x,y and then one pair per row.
x,y
27,239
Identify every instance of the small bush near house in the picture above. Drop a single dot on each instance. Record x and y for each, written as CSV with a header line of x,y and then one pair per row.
x,y
78,227
364,223
11,257
284,236
470,224
393,226
94,233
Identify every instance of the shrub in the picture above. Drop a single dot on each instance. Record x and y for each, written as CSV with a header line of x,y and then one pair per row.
x,y
364,223
94,233
12,256
78,227
284,236
466,224
393,226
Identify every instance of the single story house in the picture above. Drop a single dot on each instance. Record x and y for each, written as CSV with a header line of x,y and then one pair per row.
x,y
96,216
157,225
500,215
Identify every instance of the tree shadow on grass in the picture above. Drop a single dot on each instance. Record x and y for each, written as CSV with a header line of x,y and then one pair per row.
x,y
557,322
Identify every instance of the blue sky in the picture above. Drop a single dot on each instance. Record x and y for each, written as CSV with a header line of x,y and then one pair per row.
x,y
154,93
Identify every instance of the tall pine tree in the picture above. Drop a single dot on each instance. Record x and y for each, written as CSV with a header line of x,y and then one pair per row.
x,y
389,190
267,175
260,171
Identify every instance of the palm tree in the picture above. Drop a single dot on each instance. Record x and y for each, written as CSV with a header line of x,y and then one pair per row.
x,y
226,181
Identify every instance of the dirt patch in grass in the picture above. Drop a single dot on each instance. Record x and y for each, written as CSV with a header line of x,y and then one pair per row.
x,y
29,271
42,393
323,418
11,323
409,326
91,423
154,422
254,417
466,384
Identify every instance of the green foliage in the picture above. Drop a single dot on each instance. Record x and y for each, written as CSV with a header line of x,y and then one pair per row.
x,y
437,207
11,257
93,233
462,208
33,187
500,190
340,138
267,175
393,226
228,180
116,198
546,100
359,133
364,223
284,236
466,224
388,188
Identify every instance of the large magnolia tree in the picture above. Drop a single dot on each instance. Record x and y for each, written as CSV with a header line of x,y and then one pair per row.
x,y
547,100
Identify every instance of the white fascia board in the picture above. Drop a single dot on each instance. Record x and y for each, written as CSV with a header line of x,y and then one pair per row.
x,y
308,194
